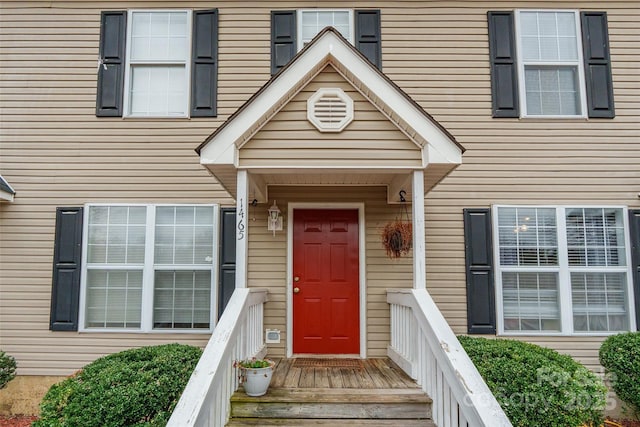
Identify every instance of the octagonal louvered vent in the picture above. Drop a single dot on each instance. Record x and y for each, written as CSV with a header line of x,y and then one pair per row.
x,y
330,109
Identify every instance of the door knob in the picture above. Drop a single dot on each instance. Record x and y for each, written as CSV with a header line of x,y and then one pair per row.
x,y
296,279
296,290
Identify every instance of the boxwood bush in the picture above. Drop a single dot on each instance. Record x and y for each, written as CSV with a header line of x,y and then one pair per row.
x,y
138,387
620,355
537,386
7,369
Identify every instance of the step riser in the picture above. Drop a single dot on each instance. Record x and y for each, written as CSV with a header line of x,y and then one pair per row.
x,y
310,410
329,422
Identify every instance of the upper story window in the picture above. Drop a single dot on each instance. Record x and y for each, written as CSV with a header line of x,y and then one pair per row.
x,y
291,30
550,63
562,270
148,267
311,22
550,66
158,63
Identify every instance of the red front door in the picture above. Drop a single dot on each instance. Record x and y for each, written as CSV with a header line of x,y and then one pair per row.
x,y
326,317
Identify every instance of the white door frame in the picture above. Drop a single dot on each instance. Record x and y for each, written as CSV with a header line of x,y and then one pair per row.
x,y
361,261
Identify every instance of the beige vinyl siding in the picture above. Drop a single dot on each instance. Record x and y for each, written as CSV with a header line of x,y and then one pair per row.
x,y
55,152
268,257
290,140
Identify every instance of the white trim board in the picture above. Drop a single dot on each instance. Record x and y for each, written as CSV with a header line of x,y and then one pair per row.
x,y
361,260
329,47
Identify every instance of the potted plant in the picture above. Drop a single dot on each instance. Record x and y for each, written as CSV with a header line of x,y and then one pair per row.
x,y
255,375
397,238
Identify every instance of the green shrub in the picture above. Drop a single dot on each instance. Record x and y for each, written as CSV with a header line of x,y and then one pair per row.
x,y
138,387
620,355
7,369
537,386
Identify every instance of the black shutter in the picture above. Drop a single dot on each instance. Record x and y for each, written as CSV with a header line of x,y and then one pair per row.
x,y
67,252
204,63
283,38
113,30
597,64
481,317
504,73
634,230
227,274
368,35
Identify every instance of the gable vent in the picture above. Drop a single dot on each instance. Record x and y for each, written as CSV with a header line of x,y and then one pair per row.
x,y
330,109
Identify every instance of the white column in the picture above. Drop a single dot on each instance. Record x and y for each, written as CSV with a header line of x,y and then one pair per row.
x,y
242,229
417,213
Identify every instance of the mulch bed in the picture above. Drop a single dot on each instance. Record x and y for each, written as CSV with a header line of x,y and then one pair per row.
x,y
626,423
17,421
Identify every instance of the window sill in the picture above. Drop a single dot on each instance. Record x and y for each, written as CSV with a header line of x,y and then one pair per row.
x,y
151,332
556,334
543,118
156,117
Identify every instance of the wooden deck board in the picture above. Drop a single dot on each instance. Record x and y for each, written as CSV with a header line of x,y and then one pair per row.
x,y
379,373
280,372
292,378
335,378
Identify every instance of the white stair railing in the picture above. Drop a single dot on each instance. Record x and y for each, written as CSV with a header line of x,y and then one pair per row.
x,y
425,347
205,401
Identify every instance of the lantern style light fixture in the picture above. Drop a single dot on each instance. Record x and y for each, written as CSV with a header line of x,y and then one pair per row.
x,y
274,221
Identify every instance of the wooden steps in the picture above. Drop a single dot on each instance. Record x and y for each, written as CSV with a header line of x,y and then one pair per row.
x,y
321,406
369,392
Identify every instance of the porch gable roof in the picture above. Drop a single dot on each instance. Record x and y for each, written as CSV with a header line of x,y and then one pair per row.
x,y
220,151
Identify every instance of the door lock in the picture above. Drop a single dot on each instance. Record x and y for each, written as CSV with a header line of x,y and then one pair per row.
x,y
296,279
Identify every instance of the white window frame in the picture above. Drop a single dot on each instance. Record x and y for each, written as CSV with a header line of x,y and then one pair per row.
x,y
300,12
148,271
564,273
578,63
128,64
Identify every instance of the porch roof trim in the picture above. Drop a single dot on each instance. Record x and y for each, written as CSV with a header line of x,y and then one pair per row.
x,y
329,47
6,191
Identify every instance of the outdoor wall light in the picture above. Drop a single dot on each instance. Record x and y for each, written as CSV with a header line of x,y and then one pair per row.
x,y
274,222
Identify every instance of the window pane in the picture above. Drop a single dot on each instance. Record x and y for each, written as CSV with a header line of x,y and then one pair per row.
x,y
530,301
179,240
552,91
595,237
527,236
182,299
599,302
548,36
114,298
158,90
116,235
315,21
159,36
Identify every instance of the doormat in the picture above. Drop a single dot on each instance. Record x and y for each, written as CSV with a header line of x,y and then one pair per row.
x,y
305,362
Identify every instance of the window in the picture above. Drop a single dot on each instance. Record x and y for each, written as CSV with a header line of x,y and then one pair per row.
x,y
562,270
148,267
550,63
311,22
291,30
147,68
550,68
158,63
